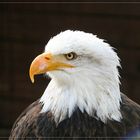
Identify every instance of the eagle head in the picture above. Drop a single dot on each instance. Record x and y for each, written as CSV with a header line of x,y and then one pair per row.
x,y
84,73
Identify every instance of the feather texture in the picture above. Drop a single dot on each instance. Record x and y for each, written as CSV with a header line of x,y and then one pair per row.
x,y
32,124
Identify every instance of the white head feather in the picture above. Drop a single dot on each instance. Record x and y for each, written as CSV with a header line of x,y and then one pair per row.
x,y
92,85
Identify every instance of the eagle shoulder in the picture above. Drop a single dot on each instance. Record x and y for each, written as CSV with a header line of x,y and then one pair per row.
x,y
26,125
33,124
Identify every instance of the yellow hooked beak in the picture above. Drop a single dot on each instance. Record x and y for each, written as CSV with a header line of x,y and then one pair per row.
x,y
46,62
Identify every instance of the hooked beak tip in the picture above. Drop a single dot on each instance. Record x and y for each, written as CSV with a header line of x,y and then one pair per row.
x,y
32,80
31,75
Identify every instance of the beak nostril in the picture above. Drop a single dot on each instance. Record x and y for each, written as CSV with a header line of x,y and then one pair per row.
x,y
47,58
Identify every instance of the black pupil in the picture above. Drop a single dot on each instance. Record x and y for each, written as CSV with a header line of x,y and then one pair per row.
x,y
70,55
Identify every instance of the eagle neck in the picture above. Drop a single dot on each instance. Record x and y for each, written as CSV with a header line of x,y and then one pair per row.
x,y
99,100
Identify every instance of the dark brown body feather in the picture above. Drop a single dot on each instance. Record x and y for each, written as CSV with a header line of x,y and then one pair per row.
x,y
32,124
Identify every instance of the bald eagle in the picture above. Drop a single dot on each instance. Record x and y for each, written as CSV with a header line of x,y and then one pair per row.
x,y
83,98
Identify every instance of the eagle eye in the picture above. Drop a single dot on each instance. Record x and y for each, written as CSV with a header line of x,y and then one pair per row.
x,y
71,56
